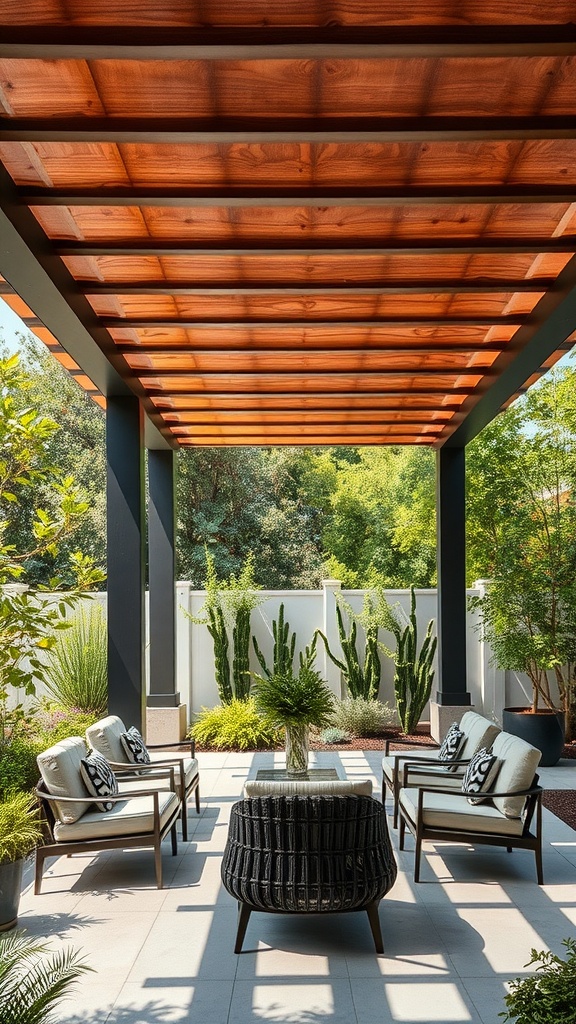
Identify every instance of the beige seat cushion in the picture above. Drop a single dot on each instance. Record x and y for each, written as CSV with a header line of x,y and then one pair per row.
x,y
452,811
519,763
104,736
479,732
127,818
295,787
60,769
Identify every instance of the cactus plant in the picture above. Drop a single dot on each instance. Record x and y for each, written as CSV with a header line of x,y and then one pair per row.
x,y
361,680
283,655
414,674
241,663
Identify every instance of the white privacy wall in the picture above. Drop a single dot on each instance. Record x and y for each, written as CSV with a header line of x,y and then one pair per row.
x,y
307,610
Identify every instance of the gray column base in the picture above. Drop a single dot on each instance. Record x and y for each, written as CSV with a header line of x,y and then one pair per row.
x,y
442,716
165,725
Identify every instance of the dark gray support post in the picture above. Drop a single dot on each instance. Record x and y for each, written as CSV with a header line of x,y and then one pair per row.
x,y
161,573
451,555
126,558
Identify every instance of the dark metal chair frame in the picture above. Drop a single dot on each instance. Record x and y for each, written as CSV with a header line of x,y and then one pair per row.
x,y
308,855
526,841
411,756
169,762
55,848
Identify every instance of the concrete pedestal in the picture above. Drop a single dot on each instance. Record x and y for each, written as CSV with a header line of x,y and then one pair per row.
x,y
165,725
442,716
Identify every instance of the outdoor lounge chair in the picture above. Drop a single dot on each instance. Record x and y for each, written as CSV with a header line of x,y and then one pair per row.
x,y
503,818
75,822
308,855
105,737
478,732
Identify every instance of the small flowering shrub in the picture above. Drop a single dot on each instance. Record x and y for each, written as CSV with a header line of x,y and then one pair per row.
x,y
360,716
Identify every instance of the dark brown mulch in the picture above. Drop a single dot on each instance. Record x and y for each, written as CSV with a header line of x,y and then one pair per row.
x,y
418,739
562,803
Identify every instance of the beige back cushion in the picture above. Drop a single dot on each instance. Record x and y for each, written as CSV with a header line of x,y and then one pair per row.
x,y
519,763
60,769
479,731
289,787
104,737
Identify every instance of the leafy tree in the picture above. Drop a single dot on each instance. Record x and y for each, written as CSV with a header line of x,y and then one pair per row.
x,y
78,449
529,611
28,624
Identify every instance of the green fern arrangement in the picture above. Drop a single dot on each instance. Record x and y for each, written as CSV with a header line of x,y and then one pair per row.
x,y
32,981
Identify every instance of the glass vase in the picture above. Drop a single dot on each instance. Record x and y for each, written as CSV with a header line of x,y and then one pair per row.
x,y
297,750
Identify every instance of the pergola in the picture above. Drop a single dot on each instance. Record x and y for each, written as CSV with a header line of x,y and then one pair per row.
x,y
253,223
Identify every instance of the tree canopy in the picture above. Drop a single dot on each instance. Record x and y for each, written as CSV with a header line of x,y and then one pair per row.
x,y
363,515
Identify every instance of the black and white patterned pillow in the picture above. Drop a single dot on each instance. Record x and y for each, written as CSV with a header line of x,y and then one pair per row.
x,y
99,778
134,746
480,775
451,743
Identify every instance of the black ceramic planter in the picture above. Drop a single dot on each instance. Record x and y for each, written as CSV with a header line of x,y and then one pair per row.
x,y
544,730
10,886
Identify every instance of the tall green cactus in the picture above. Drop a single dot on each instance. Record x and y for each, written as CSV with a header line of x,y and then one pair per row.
x,y
414,674
241,663
283,655
361,680
217,629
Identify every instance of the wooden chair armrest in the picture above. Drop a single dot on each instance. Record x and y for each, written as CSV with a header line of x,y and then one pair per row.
x,y
534,790
408,743
418,766
53,798
173,746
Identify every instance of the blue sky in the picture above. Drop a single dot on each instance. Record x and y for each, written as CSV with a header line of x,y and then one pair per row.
x,y
10,324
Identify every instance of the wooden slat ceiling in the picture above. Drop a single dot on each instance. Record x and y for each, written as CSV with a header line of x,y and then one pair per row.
x,y
292,223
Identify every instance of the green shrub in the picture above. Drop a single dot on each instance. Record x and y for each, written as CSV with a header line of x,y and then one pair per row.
x,y
55,724
234,726
333,735
18,769
361,717
78,668
20,827
548,996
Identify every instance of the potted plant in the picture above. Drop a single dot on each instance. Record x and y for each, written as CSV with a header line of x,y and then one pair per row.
x,y
548,995
533,631
295,702
20,832
529,607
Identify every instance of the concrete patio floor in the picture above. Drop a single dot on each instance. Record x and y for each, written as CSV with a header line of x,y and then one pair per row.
x,y
451,942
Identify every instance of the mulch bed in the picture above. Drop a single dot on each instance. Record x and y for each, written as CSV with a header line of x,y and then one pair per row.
x,y
562,803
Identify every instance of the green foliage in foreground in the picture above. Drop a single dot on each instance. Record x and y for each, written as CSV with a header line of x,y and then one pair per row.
x,y
359,716
32,981
548,996
234,726
20,829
